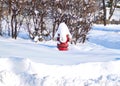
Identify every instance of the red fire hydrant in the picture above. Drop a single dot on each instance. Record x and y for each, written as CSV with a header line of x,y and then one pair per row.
x,y
62,46
63,36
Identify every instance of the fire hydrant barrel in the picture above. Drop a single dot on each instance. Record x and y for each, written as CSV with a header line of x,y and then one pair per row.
x,y
62,46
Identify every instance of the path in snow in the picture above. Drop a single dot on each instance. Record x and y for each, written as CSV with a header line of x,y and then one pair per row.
x,y
46,52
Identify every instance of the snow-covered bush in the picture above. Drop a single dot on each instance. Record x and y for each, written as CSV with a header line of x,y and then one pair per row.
x,y
77,14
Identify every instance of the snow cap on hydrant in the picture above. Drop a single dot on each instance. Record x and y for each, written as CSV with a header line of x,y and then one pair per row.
x,y
63,36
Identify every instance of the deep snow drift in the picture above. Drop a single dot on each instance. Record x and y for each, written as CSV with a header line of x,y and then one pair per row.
x,y
95,63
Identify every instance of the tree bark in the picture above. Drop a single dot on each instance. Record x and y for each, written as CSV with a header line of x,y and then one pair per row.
x,y
104,11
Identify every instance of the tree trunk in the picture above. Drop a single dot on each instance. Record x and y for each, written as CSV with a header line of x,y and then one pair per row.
x,y
41,21
0,18
112,8
14,26
104,11
53,33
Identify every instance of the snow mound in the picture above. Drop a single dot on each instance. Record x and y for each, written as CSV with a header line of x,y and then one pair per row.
x,y
23,72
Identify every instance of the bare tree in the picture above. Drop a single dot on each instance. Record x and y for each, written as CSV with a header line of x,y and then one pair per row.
x,y
14,22
55,14
39,12
112,4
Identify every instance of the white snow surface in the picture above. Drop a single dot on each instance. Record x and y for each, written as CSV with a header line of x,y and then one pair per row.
x,y
63,31
116,14
95,63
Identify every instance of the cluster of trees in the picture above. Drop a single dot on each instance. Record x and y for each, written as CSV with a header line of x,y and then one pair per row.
x,y
106,10
112,4
33,14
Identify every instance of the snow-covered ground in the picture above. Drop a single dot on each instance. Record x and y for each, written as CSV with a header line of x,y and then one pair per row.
x,y
95,63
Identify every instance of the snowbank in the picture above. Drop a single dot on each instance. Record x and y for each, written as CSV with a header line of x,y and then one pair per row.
x,y
23,72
